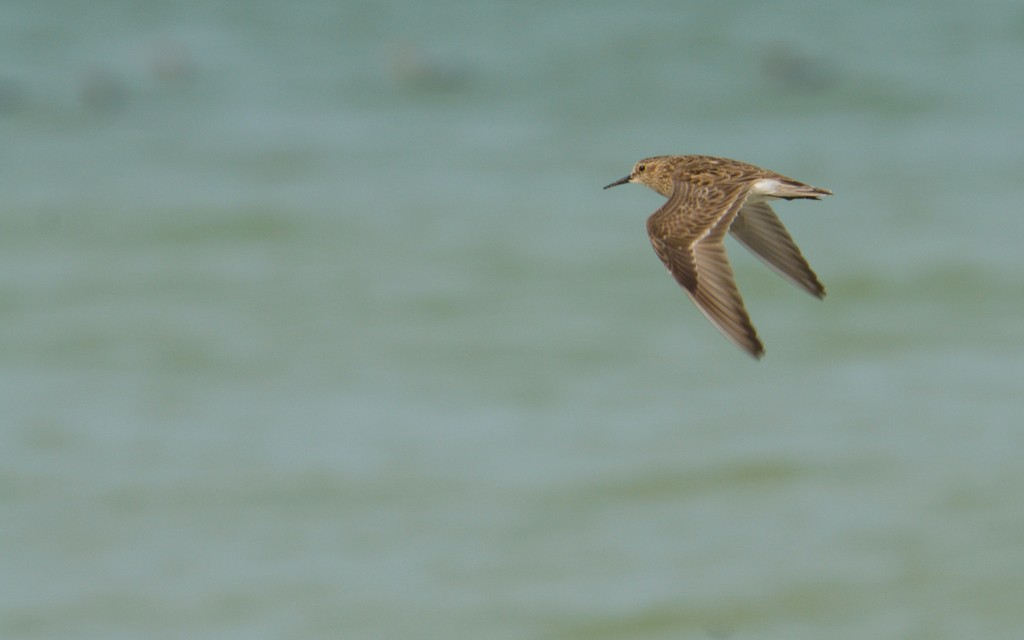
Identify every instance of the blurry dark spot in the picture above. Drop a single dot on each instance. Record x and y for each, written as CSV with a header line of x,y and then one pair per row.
x,y
791,70
413,67
102,91
169,62
12,96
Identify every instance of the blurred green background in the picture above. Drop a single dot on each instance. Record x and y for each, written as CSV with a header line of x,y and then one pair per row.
x,y
316,323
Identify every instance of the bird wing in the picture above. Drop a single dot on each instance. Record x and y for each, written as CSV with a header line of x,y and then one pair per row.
x,y
688,234
758,229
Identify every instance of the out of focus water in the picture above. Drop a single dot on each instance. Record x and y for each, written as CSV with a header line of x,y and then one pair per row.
x,y
316,323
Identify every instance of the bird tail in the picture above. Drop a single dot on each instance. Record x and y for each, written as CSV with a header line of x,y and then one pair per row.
x,y
792,190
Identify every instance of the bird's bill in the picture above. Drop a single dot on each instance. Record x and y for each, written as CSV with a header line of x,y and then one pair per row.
x,y
618,182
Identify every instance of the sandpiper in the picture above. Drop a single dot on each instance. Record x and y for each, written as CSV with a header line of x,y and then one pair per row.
x,y
707,197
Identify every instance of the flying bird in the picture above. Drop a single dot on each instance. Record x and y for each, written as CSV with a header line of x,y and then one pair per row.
x,y
708,197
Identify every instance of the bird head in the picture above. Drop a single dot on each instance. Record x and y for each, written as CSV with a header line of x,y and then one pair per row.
x,y
655,172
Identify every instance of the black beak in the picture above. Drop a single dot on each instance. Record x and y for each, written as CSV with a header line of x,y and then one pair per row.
x,y
618,182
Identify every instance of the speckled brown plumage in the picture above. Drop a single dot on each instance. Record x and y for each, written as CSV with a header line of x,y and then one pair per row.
x,y
708,197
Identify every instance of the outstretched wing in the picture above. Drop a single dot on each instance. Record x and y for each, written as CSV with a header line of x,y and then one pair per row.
x,y
758,229
688,234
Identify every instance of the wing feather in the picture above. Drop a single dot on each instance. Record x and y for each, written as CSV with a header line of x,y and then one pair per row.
x,y
688,234
759,230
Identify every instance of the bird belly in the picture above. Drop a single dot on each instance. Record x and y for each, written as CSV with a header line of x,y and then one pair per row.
x,y
764,187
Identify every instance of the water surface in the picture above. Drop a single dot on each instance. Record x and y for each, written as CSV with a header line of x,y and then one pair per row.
x,y
315,322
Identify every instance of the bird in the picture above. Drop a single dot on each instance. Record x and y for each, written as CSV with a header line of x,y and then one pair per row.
x,y
708,197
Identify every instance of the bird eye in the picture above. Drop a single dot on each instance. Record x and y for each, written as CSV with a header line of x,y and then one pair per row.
x,y
640,168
